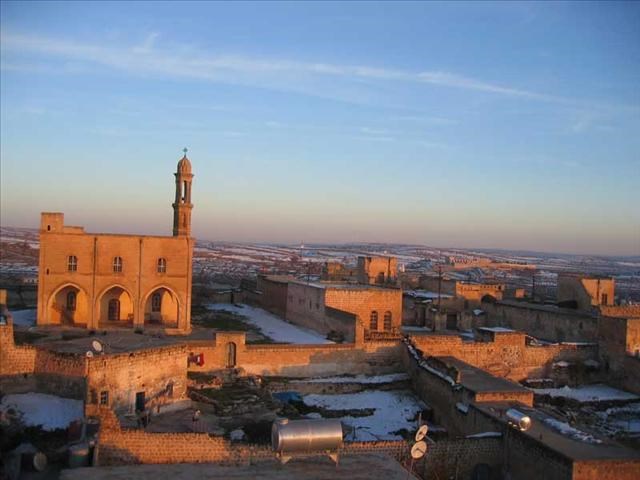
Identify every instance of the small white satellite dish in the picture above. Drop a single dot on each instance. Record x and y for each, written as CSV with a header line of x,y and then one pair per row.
x,y
422,432
96,345
419,449
89,354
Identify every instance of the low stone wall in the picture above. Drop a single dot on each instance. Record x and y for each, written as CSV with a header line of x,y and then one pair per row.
x,y
290,360
118,446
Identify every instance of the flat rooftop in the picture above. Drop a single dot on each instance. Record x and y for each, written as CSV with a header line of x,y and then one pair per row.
x,y
342,285
480,381
113,342
352,467
545,308
556,441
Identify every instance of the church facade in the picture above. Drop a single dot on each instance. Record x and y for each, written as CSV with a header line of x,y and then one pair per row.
x,y
111,280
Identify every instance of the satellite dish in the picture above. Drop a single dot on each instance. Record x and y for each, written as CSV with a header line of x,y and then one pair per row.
x,y
419,449
89,354
97,346
422,432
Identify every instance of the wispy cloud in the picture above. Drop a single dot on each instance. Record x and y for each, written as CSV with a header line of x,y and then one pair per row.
x,y
149,58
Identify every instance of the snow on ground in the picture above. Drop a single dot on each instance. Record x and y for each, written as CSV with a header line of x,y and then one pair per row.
x,y
394,410
364,379
496,329
622,419
567,430
273,326
25,318
588,393
49,411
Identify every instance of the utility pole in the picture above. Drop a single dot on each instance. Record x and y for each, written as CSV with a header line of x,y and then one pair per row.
x,y
533,285
439,285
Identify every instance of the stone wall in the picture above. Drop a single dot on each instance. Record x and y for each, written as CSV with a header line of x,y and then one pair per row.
x,y
586,292
307,303
14,359
273,296
118,446
507,355
158,373
297,360
543,321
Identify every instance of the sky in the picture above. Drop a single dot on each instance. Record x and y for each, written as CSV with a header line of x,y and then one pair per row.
x,y
481,125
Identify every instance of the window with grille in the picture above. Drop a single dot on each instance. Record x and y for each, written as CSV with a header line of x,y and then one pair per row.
x,y
117,264
373,323
387,321
72,263
162,265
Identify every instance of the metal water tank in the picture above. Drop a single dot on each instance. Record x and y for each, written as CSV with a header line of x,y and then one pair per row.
x,y
521,421
295,436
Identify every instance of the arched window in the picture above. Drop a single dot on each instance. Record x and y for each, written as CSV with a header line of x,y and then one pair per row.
x,y
72,263
387,321
156,302
162,265
373,324
71,301
117,264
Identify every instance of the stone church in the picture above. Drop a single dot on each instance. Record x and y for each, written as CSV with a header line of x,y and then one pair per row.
x,y
101,280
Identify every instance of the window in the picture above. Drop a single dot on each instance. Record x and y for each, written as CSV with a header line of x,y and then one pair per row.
x,y
605,299
156,302
93,397
373,324
72,263
387,321
71,301
117,264
104,397
162,265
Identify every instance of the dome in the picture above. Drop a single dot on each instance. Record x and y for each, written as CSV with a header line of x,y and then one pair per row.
x,y
184,165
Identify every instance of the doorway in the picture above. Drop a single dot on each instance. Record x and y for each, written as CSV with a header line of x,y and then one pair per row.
x,y
140,401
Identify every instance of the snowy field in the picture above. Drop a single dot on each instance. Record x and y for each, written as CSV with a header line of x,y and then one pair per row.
x,y
394,410
588,393
271,325
25,318
49,411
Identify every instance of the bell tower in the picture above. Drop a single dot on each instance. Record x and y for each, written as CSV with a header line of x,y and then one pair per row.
x,y
182,206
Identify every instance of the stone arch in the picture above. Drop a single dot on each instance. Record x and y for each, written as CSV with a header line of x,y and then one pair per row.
x,y
161,305
115,306
68,304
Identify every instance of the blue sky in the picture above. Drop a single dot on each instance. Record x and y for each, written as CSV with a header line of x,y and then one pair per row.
x,y
506,125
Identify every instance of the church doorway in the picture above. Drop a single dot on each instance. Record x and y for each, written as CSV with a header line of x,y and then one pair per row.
x,y
115,307
161,307
68,306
